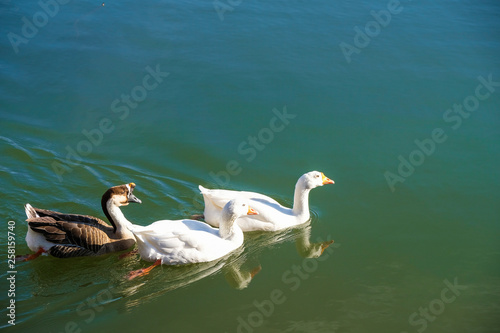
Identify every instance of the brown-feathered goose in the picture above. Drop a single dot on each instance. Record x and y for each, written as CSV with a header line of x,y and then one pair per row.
x,y
72,235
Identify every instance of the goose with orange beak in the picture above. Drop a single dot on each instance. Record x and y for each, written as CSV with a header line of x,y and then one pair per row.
x,y
272,215
188,241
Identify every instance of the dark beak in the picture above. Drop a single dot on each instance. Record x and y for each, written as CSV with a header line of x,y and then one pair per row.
x,y
132,198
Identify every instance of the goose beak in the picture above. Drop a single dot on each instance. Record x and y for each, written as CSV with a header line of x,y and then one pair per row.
x,y
131,197
326,180
325,245
252,211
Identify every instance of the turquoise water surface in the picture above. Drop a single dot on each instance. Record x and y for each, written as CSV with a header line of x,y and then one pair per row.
x,y
398,102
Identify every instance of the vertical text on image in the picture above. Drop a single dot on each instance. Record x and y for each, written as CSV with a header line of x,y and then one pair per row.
x,y
11,272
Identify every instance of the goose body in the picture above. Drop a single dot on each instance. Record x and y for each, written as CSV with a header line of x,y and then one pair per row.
x,y
190,241
272,215
73,235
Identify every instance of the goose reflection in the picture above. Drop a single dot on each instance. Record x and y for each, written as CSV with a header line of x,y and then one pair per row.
x,y
170,278
103,279
239,268
307,249
107,275
238,277
257,241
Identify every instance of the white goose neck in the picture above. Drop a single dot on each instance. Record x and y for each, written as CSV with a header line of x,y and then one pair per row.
x,y
228,226
301,201
119,220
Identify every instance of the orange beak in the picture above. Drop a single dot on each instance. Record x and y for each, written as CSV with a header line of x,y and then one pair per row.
x,y
255,271
325,245
326,180
252,211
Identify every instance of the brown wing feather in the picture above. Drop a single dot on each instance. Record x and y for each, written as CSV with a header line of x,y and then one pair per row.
x,y
72,233
91,220
64,251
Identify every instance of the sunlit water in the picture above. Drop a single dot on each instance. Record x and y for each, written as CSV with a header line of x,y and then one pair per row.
x,y
399,106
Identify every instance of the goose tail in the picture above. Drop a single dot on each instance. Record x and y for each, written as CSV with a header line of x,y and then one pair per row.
x,y
203,190
30,211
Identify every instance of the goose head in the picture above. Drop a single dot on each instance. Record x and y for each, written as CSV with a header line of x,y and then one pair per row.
x,y
231,211
121,195
314,179
115,197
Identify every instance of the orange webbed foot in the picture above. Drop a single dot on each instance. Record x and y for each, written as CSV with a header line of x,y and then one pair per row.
x,y
143,271
28,257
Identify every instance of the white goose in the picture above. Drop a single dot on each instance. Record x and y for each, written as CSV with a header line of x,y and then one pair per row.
x,y
189,241
272,216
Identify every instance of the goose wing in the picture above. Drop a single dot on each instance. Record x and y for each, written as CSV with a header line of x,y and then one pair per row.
x,y
32,212
215,200
183,241
81,237
68,251
220,198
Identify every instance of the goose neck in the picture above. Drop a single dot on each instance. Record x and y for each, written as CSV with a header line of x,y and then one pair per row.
x,y
301,201
117,220
228,226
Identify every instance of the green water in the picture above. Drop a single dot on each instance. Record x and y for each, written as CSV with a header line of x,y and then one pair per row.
x,y
171,95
